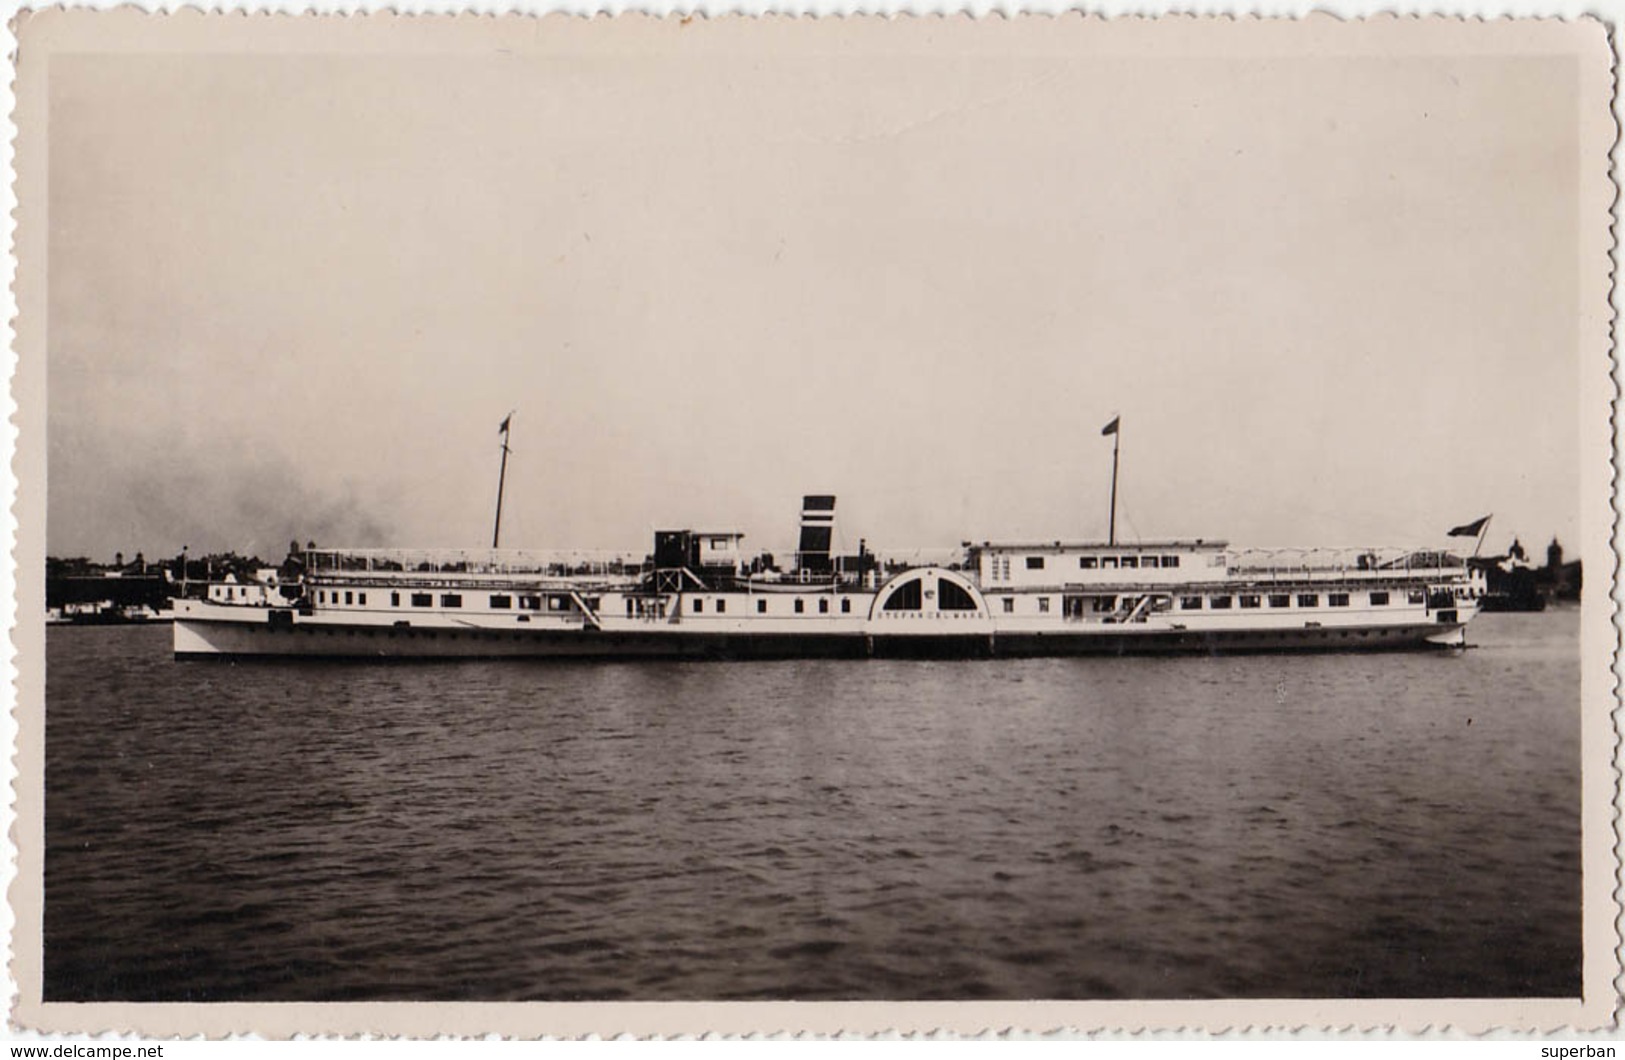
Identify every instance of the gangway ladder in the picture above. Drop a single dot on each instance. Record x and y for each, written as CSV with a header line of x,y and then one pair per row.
x,y
1138,614
591,615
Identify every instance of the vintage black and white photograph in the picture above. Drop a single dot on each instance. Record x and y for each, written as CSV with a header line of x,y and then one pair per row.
x,y
814,510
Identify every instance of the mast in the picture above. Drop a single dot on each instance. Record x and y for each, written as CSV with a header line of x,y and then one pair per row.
x,y
1114,428
502,478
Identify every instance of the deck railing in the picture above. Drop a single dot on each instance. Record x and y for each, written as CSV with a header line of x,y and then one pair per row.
x,y
474,562
1388,562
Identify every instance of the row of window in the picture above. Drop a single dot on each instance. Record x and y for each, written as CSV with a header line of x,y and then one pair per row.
x,y
1009,603
1109,562
800,605
498,601
1217,603
1126,562
504,602
323,596
1249,600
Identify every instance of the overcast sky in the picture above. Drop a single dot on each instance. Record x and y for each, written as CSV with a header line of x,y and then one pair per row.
x,y
1333,299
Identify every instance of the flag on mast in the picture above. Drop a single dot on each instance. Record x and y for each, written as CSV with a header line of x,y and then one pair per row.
x,y
502,479
1469,529
1117,439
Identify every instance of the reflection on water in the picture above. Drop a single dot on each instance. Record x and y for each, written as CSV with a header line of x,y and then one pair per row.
x,y
1329,825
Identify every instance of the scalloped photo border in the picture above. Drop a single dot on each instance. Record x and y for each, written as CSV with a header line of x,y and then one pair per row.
x,y
1591,41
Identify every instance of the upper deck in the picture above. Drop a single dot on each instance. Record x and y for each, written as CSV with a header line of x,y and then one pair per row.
x,y
1171,564
996,567
1015,566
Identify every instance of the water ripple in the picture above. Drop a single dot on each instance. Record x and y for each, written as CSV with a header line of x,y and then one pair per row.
x,y
1107,828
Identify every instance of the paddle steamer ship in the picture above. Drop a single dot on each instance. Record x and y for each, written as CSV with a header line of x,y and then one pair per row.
x,y
698,596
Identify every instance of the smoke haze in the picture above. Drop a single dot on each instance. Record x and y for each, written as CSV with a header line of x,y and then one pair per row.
x,y
293,295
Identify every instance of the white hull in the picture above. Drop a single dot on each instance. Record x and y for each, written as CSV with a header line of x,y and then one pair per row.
x,y
204,631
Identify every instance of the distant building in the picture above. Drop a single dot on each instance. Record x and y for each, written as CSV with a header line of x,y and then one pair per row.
x,y
1513,585
1559,580
79,581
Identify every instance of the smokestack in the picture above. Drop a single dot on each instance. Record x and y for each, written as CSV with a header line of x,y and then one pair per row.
x,y
817,530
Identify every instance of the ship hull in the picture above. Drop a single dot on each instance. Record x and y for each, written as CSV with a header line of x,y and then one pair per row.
x,y
236,639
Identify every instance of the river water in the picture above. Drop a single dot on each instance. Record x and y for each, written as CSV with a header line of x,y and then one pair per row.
x,y
1255,826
